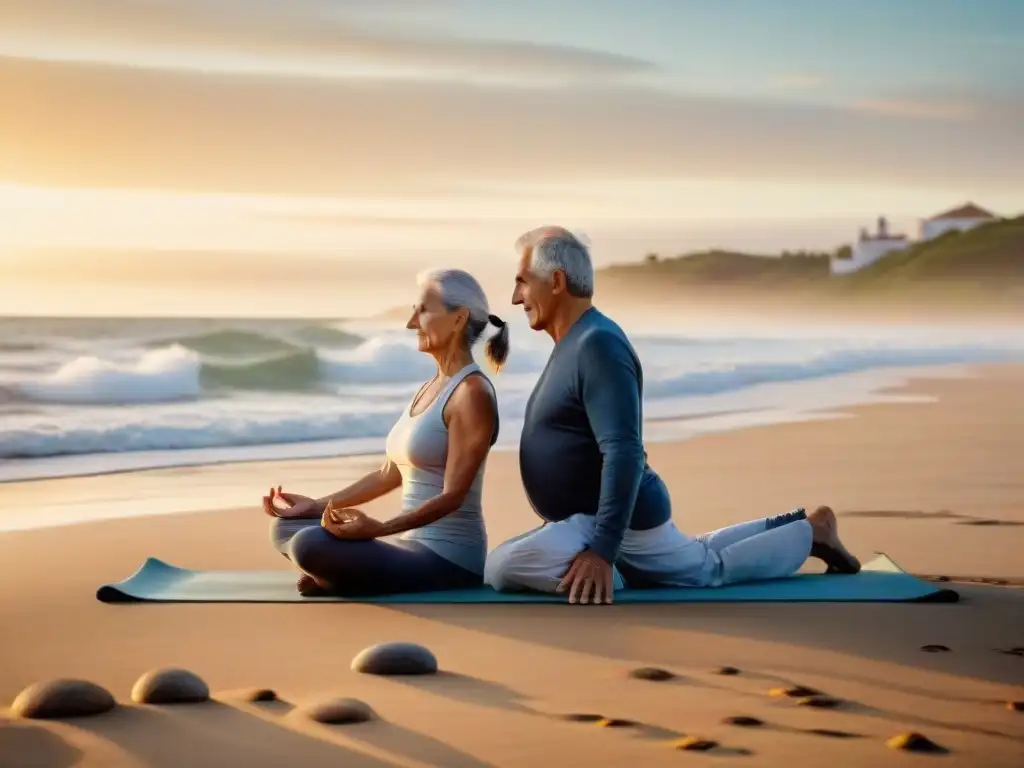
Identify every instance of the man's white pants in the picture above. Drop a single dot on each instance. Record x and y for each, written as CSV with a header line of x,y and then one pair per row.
x,y
665,556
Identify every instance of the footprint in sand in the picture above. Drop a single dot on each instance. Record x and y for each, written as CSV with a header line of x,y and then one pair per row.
x,y
337,711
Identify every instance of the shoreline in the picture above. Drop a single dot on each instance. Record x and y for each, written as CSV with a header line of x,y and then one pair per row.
x,y
87,498
759,404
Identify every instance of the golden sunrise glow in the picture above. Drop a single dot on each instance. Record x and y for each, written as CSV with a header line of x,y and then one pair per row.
x,y
137,138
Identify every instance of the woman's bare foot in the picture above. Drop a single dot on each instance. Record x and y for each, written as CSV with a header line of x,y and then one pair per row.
x,y
826,544
308,587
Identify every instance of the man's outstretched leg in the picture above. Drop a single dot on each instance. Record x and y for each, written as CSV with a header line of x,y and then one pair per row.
x,y
537,560
780,548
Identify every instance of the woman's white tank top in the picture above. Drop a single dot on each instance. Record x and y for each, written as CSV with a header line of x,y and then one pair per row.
x,y
418,446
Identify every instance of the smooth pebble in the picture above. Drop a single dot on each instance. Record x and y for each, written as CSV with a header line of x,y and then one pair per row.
x,y
583,717
651,673
744,721
170,686
821,702
913,742
395,659
695,744
796,691
62,698
260,694
832,734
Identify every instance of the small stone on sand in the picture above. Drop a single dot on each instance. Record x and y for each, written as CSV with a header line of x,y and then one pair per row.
x,y
1015,706
913,742
822,702
170,686
337,711
62,698
583,717
260,694
614,722
695,744
796,692
832,734
727,671
395,659
744,721
651,673
934,648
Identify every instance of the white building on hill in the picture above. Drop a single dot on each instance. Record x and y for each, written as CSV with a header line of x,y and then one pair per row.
x,y
869,248
963,218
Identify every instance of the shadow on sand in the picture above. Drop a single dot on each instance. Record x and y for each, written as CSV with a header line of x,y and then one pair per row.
x,y
218,734
30,745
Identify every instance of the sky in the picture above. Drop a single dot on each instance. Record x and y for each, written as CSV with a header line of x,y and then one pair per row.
x,y
308,156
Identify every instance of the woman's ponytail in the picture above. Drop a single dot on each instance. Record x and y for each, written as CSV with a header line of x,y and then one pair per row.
x,y
497,345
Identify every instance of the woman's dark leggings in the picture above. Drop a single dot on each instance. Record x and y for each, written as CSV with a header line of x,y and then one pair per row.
x,y
366,568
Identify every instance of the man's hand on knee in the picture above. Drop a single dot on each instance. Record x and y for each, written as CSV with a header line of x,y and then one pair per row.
x,y
589,574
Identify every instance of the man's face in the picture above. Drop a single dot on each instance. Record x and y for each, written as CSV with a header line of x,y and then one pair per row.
x,y
536,295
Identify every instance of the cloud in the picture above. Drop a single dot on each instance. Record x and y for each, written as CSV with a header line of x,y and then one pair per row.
x,y
183,266
319,36
806,81
98,125
924,109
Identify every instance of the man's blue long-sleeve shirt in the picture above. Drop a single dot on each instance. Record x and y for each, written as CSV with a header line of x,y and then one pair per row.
x,y
581,450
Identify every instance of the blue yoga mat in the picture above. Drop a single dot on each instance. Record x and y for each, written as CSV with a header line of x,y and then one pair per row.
x,y
880,580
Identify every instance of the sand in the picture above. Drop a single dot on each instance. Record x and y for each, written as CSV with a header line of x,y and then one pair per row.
x,y
914,480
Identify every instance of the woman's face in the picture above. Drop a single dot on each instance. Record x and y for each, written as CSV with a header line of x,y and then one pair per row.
x,y
437,328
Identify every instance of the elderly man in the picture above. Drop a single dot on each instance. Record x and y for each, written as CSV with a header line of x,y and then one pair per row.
x,y
607,514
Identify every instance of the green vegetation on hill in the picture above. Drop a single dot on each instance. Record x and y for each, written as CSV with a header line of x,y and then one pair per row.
x,y
989,257
727,267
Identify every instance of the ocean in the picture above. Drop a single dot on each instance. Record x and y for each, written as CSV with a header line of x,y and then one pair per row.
x,y
94,396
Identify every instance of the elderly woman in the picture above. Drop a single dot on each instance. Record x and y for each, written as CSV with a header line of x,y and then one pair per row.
x,y
436,453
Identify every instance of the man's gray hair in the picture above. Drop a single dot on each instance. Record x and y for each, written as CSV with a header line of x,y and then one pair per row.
x,y
554,248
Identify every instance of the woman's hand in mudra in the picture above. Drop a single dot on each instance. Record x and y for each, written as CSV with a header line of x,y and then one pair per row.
x,y
349,524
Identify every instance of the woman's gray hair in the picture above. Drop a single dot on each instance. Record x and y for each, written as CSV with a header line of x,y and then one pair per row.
x,y
457,289
554,248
